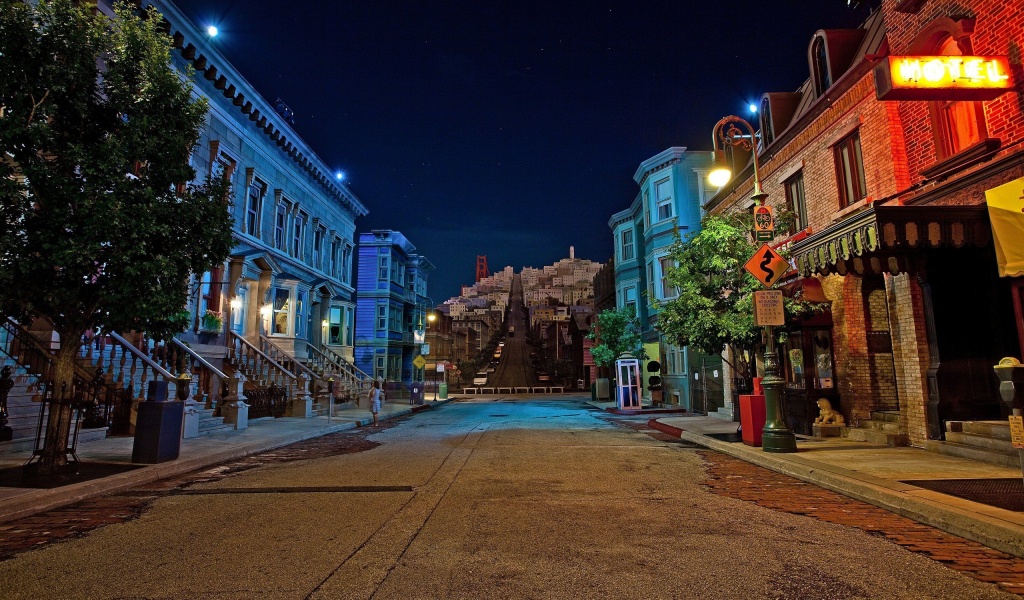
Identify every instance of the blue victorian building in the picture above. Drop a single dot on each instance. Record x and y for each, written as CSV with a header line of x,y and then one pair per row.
x,y
672,190
391,307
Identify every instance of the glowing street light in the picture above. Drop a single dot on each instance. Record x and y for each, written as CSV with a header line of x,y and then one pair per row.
x,y
211,31
752,108
776,436
339,176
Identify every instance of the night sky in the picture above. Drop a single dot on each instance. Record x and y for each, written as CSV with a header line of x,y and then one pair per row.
x,y
510,129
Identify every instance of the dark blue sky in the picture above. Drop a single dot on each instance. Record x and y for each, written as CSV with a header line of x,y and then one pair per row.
x,y
510,129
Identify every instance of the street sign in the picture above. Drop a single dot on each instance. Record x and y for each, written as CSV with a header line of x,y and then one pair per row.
x,y
768,308
1017,431
766,265
419,361
440,367
425,349
764,224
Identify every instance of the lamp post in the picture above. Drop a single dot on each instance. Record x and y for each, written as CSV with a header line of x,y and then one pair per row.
x,y
431,317
776,436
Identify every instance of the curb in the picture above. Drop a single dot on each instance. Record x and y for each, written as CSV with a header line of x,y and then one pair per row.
x,y
30,503
900,498
647,411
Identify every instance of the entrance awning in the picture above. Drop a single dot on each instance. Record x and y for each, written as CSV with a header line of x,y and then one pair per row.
x,y
883,238
1006,211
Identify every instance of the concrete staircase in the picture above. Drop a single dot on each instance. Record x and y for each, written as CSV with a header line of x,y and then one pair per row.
x,y
882,429
985,441
208,423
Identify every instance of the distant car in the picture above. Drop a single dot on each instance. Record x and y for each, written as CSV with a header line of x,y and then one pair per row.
x,y
542,376
480,378
501,344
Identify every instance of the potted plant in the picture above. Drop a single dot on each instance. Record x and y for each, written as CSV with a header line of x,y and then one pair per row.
x,y
210,326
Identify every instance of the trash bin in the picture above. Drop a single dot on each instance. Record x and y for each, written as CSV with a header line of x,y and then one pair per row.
x,y
752,418
442,391
416,393
158,427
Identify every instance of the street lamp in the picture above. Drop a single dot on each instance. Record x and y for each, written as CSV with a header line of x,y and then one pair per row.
x,y
776,436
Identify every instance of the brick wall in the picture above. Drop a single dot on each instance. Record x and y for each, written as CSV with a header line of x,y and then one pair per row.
x,y
999,30
880,364
910,353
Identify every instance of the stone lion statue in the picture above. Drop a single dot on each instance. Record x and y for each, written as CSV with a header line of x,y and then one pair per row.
x,y
828,415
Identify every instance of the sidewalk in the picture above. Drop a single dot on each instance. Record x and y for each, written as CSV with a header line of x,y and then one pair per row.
x,y
196,453
876,475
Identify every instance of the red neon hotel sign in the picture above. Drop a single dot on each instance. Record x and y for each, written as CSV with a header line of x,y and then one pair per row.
x,y
942,77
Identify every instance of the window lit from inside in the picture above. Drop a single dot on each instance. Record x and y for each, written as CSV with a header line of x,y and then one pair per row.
x,y
959,124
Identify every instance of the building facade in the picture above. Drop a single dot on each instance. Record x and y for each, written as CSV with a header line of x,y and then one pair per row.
x,y
888,160
672,191
392,307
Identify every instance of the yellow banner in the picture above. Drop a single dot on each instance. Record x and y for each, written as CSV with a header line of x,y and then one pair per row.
x,y
1006,212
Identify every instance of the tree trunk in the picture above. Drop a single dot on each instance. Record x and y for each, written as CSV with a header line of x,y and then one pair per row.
x,y
61,411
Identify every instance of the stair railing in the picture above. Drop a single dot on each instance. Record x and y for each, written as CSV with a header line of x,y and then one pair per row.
x,y
317,382
258,366
174,355
94,393
125,364
346,375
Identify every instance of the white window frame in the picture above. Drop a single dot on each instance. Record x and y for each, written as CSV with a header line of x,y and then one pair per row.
x,y
298,234
664,293
623,244
287,312
281,224
257,191
661,201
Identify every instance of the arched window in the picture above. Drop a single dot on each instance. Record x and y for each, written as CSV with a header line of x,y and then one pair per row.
x,y
767,134
819,64
958,124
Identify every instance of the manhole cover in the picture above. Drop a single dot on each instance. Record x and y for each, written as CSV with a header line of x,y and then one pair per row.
x,y
1001,493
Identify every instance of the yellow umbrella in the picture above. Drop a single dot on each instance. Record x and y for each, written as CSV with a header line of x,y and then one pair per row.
x,y
1006,213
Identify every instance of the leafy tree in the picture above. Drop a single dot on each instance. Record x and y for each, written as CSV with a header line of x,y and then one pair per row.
x,y
99,229
714,306
616,332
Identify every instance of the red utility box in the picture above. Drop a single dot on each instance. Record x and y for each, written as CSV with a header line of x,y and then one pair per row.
x,y
752,417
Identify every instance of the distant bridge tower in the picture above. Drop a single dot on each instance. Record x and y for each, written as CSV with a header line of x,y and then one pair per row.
x,y
481,268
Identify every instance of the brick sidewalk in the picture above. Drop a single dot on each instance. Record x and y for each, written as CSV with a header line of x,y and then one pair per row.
x,y
734,478
76,520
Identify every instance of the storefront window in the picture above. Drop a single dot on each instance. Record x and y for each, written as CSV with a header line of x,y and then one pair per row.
x,y
823,367
795,361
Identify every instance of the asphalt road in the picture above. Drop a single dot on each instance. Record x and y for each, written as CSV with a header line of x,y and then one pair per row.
x,y
480,499
514,369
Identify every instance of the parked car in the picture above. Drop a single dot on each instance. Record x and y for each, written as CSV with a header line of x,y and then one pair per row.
x,y
543,377
480,378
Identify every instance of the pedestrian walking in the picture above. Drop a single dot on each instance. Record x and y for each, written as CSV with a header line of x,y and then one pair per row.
x,y
375,398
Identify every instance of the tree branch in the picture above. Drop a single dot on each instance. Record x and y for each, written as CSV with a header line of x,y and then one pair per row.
x,y
35,105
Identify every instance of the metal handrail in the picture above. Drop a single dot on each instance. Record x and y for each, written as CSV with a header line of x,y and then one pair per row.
x,y
142,356
263,355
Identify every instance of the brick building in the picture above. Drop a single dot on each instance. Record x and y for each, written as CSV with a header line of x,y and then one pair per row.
x,y
888,179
